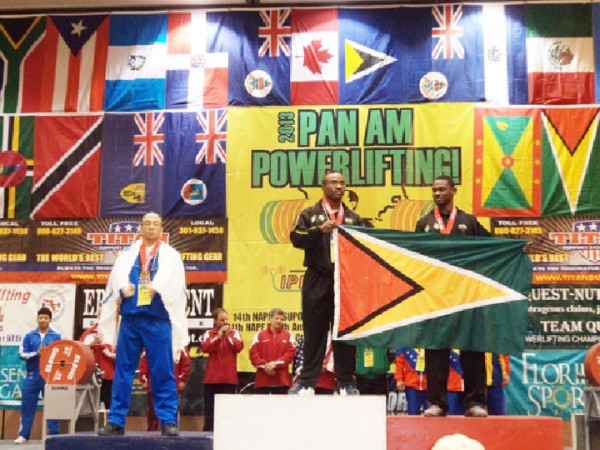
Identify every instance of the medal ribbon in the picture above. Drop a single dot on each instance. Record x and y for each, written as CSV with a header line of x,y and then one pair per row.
x,y
340,216
445,229
145,260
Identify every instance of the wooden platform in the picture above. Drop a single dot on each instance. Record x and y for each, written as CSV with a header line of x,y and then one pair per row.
x,y
494,432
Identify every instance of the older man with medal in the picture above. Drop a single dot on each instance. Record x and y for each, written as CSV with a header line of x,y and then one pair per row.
x,y
446,218
146,288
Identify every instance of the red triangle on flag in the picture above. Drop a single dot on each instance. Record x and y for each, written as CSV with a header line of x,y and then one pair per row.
x,y
359,267
571,124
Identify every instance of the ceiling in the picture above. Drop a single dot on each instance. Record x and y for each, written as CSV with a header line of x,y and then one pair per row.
x,y
16,6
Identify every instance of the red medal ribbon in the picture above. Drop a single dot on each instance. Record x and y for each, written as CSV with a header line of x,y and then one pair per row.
x,y
447,228
340,216
145,260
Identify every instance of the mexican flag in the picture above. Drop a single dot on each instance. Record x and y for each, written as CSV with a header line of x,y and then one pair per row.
x,y
560,54
398,289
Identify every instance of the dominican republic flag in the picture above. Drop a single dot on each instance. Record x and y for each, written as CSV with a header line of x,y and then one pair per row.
x,y
196,78
136,70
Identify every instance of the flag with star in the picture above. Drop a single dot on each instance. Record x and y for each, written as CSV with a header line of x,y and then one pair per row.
x,y
399,289
259,46
16,166
570,151
68,67
507,168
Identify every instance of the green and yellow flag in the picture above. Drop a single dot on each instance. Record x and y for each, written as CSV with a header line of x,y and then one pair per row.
x,y
398,289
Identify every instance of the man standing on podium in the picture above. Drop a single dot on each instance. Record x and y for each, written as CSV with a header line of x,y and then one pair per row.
x,y
312,233
448,219
147,288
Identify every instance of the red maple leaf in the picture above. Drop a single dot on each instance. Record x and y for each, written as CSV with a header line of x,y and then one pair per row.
x,y
315,55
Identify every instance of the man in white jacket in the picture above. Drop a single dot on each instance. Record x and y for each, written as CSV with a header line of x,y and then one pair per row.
x,y
146,288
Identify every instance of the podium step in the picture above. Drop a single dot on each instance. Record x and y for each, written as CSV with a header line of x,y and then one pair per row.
x,y
494,432
142,440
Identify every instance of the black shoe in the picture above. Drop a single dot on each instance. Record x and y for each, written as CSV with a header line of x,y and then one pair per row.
x,y
170,429
111,430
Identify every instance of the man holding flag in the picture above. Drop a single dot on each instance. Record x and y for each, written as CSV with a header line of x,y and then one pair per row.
x,y
446,218
312,233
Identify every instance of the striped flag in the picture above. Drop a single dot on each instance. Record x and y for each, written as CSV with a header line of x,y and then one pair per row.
x,y
560,54
16,166
67,172
314,60
18,37
196,78
69,66
137,52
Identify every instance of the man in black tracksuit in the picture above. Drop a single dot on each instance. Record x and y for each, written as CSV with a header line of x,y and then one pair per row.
x,y
448,219
312,233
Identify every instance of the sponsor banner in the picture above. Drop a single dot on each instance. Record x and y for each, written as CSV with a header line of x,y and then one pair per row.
x,y
546,383
563,316
84,251
19,304
564,250
389,156
202,299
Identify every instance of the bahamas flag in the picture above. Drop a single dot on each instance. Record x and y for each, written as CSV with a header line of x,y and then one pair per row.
x,y
398,289
507,167
570,149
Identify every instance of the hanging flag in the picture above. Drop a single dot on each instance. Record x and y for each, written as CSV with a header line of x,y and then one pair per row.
x,y
570,149
400,55
505,62
135,73
195,147
18,37
314,64
258,44
398,289
507,164
16,166
68,67
196,78
171,163
560,54
67,170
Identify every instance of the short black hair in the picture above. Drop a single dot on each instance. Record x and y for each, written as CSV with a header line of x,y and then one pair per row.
x,y
445,178
218,311
44,310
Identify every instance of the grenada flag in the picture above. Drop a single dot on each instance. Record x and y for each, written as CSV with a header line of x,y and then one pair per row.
x,y
399,289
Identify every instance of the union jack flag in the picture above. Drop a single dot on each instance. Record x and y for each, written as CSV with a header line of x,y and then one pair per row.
x,y
274,33
149,139
448,32
212,136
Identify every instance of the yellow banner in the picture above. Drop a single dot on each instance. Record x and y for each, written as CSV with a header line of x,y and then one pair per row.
x,y
276,159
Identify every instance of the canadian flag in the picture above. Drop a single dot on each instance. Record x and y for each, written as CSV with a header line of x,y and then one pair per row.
x,y
314,65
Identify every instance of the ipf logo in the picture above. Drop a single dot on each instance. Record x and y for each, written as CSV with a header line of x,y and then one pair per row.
x,y
53,300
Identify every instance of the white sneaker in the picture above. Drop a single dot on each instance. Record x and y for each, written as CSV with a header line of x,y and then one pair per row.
x,y
20,440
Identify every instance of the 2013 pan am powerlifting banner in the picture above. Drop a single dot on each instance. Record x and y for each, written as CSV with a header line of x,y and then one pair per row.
x,y
398,289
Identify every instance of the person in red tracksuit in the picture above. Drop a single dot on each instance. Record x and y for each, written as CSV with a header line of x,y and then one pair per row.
x,y
272,351
182,373
222,343
104,356
411,379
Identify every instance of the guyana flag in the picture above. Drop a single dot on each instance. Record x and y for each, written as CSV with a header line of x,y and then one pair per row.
x,y
399,289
